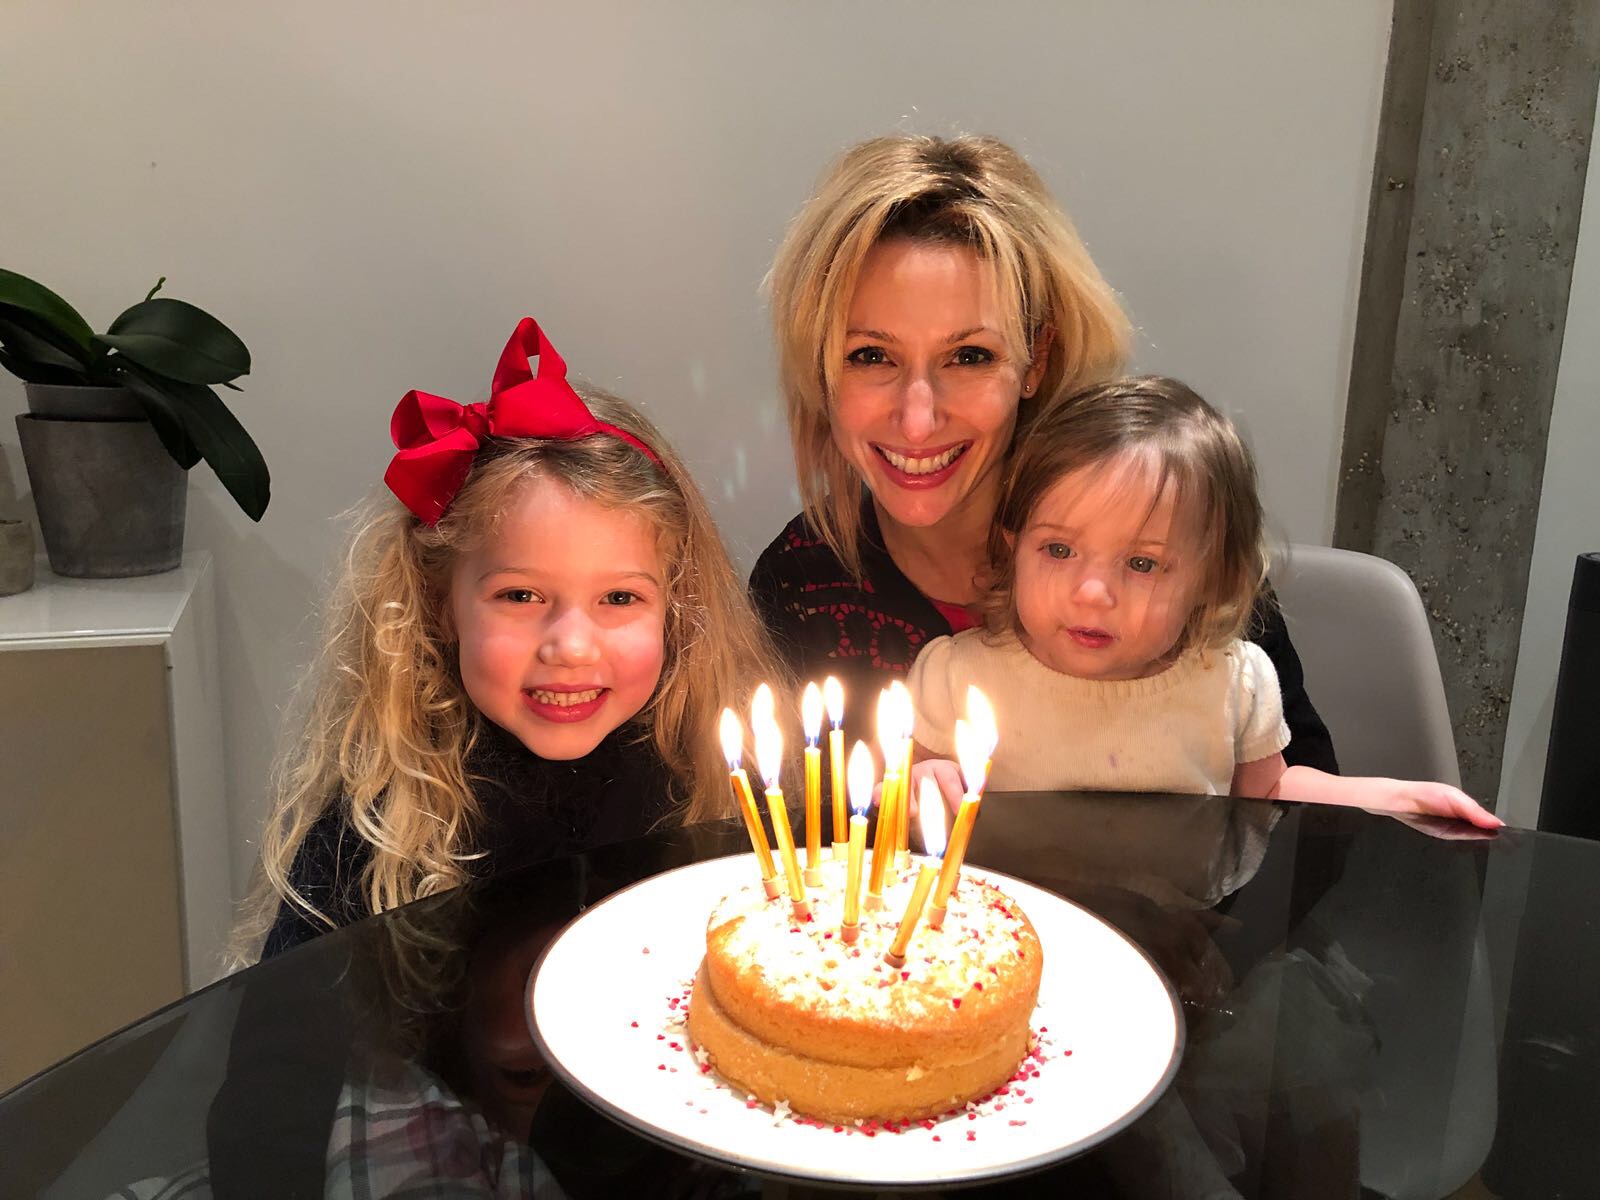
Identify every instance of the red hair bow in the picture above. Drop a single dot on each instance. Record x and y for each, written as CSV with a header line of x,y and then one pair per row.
x,y
438,438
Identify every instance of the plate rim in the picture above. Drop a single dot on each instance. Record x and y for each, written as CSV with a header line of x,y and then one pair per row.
x,y
961,1178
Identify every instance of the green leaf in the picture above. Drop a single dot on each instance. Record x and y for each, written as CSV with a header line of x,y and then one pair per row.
x,y
27,338
180,341
224,444
158,406
18,291
30,371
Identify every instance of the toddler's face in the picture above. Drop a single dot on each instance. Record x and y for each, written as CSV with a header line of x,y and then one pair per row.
x,y
1106,573
561,620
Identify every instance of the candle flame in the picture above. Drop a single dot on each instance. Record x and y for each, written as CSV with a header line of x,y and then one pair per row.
x,y
732,738
811,712
833,696
762,707
981,713
930,815
972,752
862,769
905,710
888,725
769,743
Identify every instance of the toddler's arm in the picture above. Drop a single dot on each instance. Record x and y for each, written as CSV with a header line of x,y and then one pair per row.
x,y
1272,779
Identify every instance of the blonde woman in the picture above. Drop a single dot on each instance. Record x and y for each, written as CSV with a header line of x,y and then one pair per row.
x,y
526,655
924,300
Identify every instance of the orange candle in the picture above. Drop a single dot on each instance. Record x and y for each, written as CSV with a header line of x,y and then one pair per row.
x,y
732,750
930,815
883,843
811,721
861,773
975,742
833,698
905,713
769,759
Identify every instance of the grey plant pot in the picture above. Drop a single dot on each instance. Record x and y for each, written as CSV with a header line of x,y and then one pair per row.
x,y
16,557
111,501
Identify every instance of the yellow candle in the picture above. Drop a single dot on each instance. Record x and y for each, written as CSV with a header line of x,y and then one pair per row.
x,y
860,801
975,743
833,697
811,720
883,847
769,758
905,714
930,814
732,736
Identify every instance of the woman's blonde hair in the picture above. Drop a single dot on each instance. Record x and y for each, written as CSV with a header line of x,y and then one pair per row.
x,y
969,191
1190,445
387,725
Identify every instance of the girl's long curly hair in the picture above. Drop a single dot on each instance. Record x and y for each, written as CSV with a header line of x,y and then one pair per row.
x,y
385,726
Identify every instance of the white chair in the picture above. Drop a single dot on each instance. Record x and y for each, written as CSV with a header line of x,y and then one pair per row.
x,y
1429,1113
1371,669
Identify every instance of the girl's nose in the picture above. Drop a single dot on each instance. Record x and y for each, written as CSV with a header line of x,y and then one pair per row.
x,y
919,408
1092,591
569,640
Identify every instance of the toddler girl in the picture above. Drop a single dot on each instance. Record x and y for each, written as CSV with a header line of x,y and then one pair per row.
x,y
1126,553
526,655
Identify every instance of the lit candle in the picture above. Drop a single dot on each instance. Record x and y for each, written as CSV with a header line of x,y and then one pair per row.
x,y
930,816
811,721
883,842
906,713
861,772
733,751
769,760
976,738
833,697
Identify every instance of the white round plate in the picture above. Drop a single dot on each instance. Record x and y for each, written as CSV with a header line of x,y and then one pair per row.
x,y
604,1004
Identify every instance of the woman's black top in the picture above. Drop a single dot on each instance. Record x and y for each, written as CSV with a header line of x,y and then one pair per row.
x,y
868,632
532,809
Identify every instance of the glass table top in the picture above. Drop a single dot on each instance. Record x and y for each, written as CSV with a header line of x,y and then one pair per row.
x,y
1372,1008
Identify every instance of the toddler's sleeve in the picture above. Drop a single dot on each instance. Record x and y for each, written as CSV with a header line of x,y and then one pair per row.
x,y
1260,730
933,692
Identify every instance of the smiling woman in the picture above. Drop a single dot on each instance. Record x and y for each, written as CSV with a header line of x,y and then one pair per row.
x,y
926,300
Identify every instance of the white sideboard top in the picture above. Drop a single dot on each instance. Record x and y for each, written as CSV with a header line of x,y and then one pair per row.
x,y
58,612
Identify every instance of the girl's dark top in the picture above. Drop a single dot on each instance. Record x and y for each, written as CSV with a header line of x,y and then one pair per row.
x,y
532,808
866,633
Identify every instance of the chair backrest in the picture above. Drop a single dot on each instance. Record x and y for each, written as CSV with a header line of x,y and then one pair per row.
x,y
1371,668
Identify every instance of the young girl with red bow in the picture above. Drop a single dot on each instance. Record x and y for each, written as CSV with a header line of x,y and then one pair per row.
x,y
525,656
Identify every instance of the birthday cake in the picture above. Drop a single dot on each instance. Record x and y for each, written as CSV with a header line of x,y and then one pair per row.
x,y
789,1012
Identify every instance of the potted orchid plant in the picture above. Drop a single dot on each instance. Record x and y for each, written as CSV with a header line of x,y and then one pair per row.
x,y
115,421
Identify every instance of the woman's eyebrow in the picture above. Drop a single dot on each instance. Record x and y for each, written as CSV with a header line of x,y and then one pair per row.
x,y
966,333
876,335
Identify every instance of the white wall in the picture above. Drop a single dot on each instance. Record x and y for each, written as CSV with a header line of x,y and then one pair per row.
x,y
371,193
1569,523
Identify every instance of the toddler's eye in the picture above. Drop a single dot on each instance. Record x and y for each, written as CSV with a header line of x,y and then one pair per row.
x,y
1142,565
973,356
1058,550
621,598
519,595
867,356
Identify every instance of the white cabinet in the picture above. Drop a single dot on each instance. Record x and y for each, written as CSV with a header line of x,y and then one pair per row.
x,y
115,894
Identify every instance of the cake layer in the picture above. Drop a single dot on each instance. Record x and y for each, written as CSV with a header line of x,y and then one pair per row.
x,y
832,1091
799,988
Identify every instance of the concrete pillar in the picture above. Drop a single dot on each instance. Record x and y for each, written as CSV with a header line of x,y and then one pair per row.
x,y
1488,113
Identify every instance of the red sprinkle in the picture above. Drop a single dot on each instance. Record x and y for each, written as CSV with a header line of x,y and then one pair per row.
x,y
675,1045
905,974
661,1066
955,1002
977,985
838,1128
646,950
749,1103
937,1138
827,935
971,1136
972,1116
635,1024
1064,1054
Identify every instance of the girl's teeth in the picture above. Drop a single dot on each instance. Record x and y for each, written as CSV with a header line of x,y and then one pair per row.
x,y
922,466
566,699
